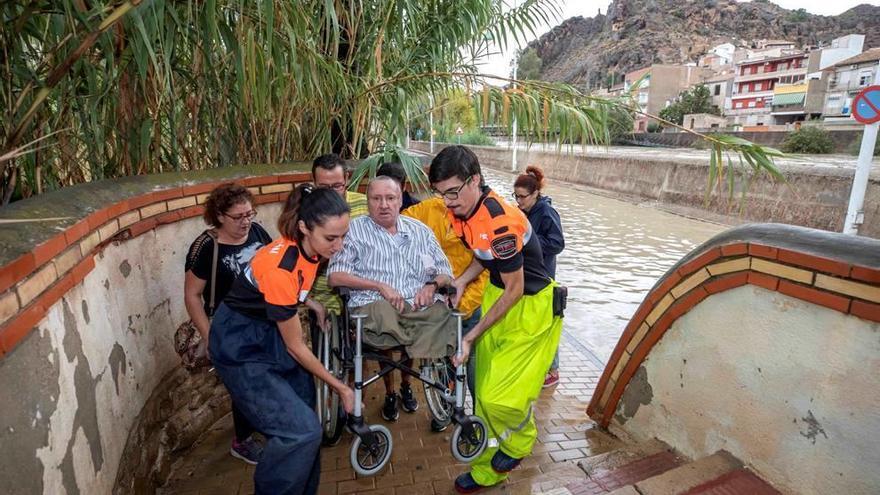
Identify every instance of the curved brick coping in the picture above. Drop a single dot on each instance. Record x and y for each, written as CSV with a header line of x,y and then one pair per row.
x,y
832,270
43,260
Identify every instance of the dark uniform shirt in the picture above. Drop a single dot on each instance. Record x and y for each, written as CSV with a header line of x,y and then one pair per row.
x,y
502,240
277,280
231,260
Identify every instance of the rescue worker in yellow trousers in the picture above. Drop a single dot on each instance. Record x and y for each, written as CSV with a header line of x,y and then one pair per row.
x,y
516,337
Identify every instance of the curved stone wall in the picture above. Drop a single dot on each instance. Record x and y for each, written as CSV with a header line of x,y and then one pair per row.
x,y
90,293
762,342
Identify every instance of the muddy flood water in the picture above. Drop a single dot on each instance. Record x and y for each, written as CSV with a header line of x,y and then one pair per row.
x,y
614,253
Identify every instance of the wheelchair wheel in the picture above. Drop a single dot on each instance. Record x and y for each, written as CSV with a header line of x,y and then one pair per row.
x,y
330,411
368,458
439,371
469,439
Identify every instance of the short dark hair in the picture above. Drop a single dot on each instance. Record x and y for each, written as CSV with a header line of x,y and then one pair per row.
x,y
222,198
313,205
328,162
394,170
454,161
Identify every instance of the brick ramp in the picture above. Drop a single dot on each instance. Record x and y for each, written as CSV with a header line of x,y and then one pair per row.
x,y
421,462
741,481
665,472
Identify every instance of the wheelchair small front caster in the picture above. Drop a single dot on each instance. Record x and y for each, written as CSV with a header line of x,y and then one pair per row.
x,y
370,453
469,439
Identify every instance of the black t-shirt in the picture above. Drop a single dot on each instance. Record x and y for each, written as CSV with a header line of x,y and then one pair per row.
x,y
231,260
535,276
503,241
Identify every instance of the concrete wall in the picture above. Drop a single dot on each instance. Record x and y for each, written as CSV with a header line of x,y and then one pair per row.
x,y
86,334
842,139
761,342
786,386
87,370
816,199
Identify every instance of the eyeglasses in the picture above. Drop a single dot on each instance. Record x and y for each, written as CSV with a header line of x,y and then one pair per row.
x,y
521,196
249,215
452,194
339,186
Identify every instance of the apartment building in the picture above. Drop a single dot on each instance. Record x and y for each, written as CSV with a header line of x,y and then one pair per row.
x,y
721,88
838,50
659,85
845,80
754,84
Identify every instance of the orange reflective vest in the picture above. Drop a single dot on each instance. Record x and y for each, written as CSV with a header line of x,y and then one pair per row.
x,y
501,238
277,279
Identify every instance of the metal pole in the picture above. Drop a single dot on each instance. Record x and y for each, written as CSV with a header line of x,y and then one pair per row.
x,y
358,365
407,126
431,121
513,129
855,213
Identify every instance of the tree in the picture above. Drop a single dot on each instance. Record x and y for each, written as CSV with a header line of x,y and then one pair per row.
x,y
798,15
93,90
695,100
459,112
808,139
529,64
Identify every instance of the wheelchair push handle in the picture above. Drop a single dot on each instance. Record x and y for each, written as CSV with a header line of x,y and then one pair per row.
x,y
448,291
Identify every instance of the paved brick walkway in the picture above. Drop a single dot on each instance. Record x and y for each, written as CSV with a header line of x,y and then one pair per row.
x,y
421,462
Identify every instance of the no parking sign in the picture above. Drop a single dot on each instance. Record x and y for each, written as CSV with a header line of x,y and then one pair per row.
x,y
866,109
866,105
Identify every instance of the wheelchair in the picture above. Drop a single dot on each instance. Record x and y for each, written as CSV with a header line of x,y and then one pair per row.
x,y
343,353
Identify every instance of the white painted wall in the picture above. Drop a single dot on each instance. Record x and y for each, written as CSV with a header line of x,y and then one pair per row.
x,y
841,49
139,312
788,387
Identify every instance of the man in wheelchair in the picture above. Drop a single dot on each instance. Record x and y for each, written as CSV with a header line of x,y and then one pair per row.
x,y
393,266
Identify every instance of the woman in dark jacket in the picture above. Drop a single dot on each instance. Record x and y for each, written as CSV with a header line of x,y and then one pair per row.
x,y
547,226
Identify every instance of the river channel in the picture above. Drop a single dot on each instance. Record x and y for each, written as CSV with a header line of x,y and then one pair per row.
x,y
614,253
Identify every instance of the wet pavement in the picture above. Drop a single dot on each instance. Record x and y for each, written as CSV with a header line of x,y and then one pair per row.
x,y
421,461
615,252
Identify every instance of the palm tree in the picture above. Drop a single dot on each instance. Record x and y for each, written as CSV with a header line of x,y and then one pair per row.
x,y
107,88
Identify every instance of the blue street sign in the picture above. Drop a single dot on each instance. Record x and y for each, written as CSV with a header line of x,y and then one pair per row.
x,y
866,105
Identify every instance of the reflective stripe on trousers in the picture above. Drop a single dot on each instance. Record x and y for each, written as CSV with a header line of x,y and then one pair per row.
x,y
514,355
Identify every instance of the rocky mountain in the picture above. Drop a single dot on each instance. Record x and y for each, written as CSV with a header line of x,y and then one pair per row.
x,y
636,33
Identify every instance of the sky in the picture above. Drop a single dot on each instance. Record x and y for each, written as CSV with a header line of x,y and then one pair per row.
x,y
499,64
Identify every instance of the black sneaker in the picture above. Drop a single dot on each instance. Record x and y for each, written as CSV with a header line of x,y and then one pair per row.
x,y
437,426
389,410
408,401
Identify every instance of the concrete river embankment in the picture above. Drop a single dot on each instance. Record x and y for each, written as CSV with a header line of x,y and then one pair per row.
x,y
815,194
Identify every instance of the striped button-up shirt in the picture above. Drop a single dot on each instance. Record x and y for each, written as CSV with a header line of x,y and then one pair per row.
x,y
405,260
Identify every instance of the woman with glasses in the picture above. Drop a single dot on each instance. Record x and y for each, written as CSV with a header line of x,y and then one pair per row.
x,y
547,226
230,212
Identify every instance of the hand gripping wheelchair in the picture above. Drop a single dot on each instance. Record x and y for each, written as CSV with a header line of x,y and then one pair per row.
x,y
343,353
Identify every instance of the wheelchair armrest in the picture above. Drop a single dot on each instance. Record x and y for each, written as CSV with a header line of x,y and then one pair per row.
x,y
343,292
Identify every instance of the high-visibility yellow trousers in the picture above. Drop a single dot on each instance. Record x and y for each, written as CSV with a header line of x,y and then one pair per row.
x,y
513,357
